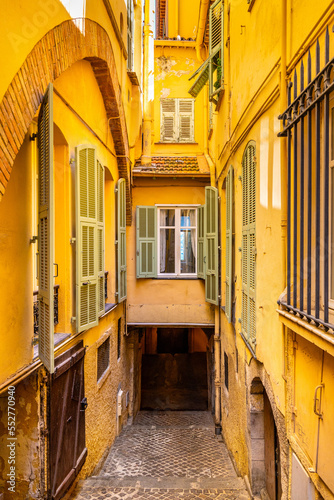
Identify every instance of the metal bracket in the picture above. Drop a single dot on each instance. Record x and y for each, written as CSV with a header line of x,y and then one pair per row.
x,y
33,137
72,240
316,400
33,239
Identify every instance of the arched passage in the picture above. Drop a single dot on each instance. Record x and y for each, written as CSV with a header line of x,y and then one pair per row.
x,y
52,55
265,449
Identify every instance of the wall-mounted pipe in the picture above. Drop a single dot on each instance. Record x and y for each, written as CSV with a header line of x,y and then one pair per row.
x,y
203,13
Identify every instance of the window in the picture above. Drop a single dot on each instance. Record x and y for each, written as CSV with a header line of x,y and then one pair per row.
x,y
168,243
229,245
103,358
177,241
120,192
177,120
226,370
212,69
130,35
119,337
248,244
89,199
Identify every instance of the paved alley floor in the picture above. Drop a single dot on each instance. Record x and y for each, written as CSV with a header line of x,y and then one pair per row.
x,y
166,455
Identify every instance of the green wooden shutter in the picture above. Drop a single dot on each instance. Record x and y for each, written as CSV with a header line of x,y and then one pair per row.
x,y
201,241
100,238
248,317
186,120
87,238
121,239
146,242
215,38
211,244
229,237
168,131
46,231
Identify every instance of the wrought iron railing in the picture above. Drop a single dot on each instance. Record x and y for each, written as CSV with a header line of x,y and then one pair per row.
x,y
36,309
306,124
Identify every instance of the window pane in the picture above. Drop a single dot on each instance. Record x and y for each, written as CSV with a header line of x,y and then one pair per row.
x,y
167,250
187,250
167,217
188,217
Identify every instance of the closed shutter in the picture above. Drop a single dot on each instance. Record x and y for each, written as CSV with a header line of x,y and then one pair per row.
x,y
46,231
249,244
211,244
146,242
201,241
186,120
87,238
121,239
100,237
229,237
168,120
130,35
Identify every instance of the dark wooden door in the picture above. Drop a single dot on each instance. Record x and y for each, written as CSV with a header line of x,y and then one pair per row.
x,y
67,420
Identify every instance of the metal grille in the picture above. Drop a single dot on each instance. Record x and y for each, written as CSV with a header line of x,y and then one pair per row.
x,y
103,358
306,124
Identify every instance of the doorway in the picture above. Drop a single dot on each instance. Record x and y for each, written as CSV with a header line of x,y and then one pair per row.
x,y
174,369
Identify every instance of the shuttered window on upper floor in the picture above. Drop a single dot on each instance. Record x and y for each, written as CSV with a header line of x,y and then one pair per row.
x,y
121,239
90,303
130,34
177,120
248,316
229,245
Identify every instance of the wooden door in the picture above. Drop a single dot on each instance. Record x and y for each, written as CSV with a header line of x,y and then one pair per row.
x,y
67,420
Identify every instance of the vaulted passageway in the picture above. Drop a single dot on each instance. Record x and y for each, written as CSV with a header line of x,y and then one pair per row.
x,y
166,455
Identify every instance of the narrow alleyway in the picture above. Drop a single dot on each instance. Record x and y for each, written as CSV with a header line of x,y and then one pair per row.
x,y
166,455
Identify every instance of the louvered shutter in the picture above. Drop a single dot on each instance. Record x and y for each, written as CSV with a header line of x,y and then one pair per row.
x,y
200,241
229,237
46,231
121,239
211,244
249,244
168,120
87,238
100,238
130,34
186,120
146,242
215,38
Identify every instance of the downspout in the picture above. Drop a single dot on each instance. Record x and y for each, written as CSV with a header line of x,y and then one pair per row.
x,y
206,139
147,121
203,12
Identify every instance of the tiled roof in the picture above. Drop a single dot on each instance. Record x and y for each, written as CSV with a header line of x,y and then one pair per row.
x,y
173,165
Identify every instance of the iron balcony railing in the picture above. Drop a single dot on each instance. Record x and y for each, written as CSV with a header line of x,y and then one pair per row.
x,y
306,124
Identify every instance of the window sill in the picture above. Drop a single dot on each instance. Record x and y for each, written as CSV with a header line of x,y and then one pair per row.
x,y
176,278
58,339
108,308
176,142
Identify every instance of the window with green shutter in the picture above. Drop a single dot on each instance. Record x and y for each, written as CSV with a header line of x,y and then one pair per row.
x,y
211,245
90,238
229,245
121,239
212,69
146,241
248,316
201,241
46,231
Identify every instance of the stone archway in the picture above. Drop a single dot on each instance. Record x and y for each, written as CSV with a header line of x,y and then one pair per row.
x,y
61,47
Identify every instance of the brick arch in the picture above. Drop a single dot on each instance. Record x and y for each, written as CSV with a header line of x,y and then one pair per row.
x,y
52,55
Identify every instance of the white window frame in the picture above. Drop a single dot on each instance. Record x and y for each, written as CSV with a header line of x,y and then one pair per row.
x,y
177,227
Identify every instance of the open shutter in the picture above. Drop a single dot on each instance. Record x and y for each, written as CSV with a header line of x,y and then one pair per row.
x,y
87,238
130,34
215,39
186,120
100,237
46,231
229,237
168,120
211,244
146,242
248,244
200,241
121,239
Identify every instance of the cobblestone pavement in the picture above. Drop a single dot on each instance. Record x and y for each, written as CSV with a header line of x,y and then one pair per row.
x,y
166,456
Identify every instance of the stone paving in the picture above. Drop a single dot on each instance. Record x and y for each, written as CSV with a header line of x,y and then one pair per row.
x,y
166,456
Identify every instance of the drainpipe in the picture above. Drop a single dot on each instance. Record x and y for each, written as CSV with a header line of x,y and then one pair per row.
x,y
147,122
203,12
283,106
